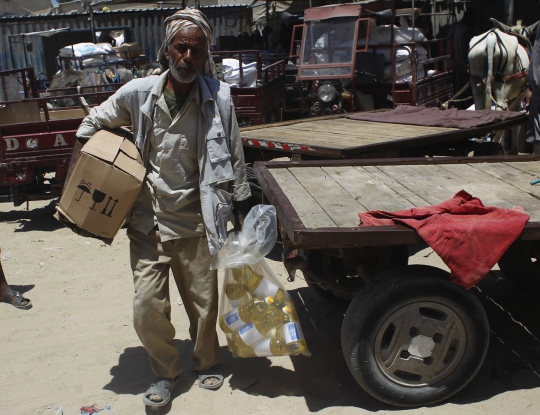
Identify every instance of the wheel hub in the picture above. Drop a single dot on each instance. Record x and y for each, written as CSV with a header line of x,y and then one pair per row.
x,y
419,343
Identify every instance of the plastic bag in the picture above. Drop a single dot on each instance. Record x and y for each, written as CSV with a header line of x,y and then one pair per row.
x,y
258,237
256,313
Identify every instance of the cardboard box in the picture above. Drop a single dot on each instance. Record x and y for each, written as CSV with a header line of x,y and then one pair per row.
x,y
128,50
104,185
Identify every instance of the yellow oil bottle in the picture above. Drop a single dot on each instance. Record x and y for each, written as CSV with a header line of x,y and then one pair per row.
x,y
244,314
268,346
257,329
292,333
237,293
260,286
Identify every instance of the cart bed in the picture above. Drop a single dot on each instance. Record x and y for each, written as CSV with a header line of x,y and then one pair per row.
x,y
340,137
318,201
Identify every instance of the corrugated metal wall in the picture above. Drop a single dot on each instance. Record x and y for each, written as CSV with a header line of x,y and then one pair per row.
x,y
146,29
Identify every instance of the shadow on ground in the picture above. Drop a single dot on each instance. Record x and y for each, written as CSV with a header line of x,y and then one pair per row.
x,y
40,219
324,380
21,288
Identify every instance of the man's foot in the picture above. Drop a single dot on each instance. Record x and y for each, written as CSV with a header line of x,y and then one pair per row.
x,y
211,378
17,300
159,392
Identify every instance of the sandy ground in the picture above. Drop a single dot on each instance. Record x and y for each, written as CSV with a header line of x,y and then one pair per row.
x,y
77,346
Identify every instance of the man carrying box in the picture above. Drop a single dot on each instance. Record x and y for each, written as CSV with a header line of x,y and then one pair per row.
x,y
185,128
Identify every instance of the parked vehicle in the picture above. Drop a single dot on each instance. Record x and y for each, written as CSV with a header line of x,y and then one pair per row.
x,y
36,142
257,84
348,63
410,336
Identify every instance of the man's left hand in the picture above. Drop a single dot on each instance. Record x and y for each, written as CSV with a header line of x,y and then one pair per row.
x,y
239,211
239,222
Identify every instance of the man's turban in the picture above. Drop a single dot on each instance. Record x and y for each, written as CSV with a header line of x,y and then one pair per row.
x,y
182,19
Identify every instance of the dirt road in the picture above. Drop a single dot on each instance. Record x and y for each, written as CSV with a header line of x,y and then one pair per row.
x,y
77,346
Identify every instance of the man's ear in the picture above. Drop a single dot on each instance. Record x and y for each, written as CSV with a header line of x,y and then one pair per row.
x,y
166,53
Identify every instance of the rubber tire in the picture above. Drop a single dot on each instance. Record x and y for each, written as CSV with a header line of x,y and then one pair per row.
x,y
400,286
517,265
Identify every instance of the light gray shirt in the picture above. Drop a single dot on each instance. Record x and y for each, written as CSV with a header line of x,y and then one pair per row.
x,y
170,195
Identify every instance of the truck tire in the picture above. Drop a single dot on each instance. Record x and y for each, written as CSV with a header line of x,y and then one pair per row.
x,y
413,338
521,264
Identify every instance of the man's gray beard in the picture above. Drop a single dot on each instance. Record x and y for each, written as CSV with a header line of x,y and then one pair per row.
x,y
179,76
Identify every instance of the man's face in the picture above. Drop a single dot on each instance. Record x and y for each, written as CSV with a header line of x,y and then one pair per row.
x,y
187,54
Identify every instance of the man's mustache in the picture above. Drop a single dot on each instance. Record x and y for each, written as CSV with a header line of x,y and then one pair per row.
x,y
186,67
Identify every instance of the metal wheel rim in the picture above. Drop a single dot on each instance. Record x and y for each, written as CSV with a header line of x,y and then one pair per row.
x,y
405,337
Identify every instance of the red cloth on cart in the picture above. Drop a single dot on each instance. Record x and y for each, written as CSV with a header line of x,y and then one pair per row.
x,y
469,237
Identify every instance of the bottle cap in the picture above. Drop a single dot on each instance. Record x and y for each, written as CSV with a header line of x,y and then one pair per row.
x,y
269,300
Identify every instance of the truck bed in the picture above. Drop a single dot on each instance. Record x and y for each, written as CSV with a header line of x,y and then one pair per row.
x,y
339,137
318,201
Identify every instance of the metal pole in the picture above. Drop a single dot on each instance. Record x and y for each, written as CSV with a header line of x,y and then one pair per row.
x,y
412,35
267,12
509,11
11,51
25,52
197,4
92,24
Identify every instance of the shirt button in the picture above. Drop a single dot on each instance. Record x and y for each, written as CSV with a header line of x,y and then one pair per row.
x,y
219,134
159,197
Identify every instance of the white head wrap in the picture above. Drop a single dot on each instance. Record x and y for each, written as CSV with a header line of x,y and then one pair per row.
x,y
189,17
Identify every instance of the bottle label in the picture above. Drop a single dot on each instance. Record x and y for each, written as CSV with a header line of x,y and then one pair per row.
x,y
262,348
249,334
266,288
233,320
292,332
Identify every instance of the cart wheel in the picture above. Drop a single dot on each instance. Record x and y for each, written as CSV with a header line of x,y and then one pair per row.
x,y
521,264
412,338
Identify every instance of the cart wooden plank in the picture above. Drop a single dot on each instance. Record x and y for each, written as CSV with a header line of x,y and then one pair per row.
x,y
397,187
342,133
339,137
330,195
367,190
307,208
336,192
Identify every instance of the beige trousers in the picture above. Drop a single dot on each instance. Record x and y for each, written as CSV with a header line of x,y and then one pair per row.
x,y
189,260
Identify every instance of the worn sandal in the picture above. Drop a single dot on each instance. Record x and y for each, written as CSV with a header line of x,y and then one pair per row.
x,y
213,372
15,299
161,387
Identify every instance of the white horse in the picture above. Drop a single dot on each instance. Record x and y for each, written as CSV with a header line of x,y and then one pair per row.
x,y
499,64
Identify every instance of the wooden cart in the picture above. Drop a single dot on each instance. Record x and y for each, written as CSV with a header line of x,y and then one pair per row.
x,y
396,309
338,137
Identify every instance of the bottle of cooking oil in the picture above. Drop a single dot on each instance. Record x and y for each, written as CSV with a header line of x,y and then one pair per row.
x,y
292,333
244,314
274,346
237,293
267,346
239,348
258,285
257,329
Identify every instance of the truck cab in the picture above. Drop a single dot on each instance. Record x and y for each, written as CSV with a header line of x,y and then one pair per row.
x,y
350,60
